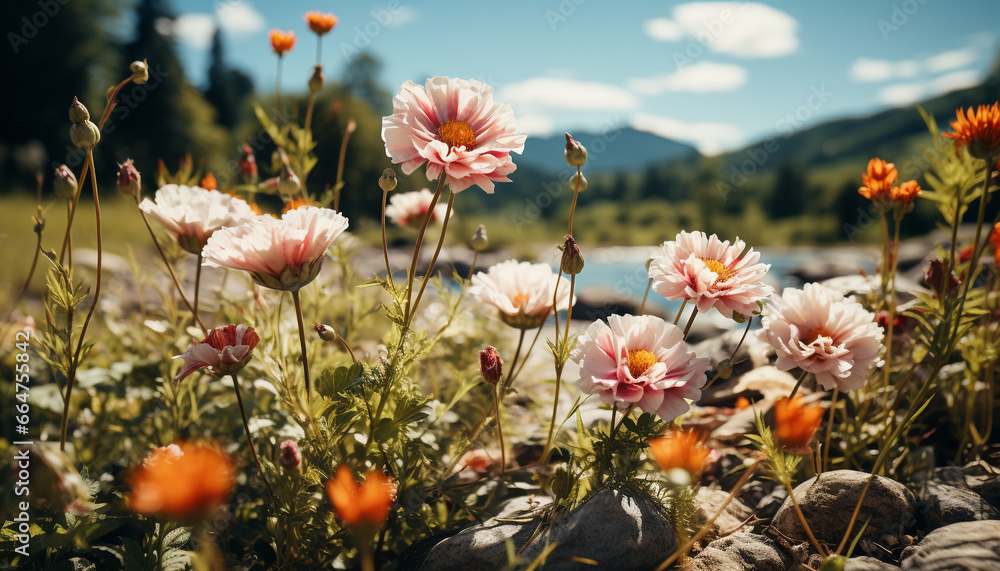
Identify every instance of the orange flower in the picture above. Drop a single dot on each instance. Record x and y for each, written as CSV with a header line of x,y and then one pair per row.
x,y
321,23
995,236
979,129
209,182
282,42
684,450
362,508
795,423
298,203
185,482
742,403
878,180
906,192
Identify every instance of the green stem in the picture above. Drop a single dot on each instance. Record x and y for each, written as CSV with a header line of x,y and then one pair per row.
x,y
824,465
173,275
342,156
246,429
798,383
385,247
496,412
416,250
677,316
687,328
302,340
433,262
197,288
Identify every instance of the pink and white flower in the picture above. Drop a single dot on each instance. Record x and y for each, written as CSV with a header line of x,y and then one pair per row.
x,y
711,273
521,293
452,124
225,351
819,330
283,254
408,209
640,360
192,214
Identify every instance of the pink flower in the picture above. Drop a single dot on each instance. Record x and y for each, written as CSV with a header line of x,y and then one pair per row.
x,y
452,124
225,351
819,330
478,460
711,273
283,254
520,292
409,208
641,360
192,214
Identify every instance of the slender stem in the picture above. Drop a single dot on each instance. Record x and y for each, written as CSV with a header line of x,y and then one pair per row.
x,y
552,422
642,306
348,347
513,364
319,49
824,465
385,247
496,412
472,267
173,275
367,559
302,340
798,383
892,306
802,520
246,429
72,211
416,249
569,310
572,206
611,434
976,246
309,112
954,229
683,549
433,262
197,286
277,86
687,328
340,167
524,361
677,316
31,273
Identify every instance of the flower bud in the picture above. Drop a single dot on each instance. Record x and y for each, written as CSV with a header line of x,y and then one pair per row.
x,y
247,164
479,240
739,317
387,181
65,183
140,72
724,369
85,135
490,365
78,112
934,276
576,154
129,180
572,259
288,183
291,457
352,126
326,333
578,182
316,81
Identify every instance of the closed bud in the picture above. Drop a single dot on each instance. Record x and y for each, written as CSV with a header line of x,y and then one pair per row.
x,y
739,317
326,333
85,135
479,239
387,181
316,81
78,112
65,182
291,457
576,154
935,276
572,259
248,164
724,369
129,181
140,72
352,126
578,182
490,365
288,183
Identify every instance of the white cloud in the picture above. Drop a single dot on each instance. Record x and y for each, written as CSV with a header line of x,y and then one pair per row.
x,y
710,138
953,59
402,15
534,125
700,77
239,18
562,93
955,80
902,94
865,70
741,29
194,30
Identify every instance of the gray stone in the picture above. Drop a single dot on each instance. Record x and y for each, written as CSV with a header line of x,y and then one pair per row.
x,y
827,502
868,564
944,505
741,552
730,520
615,529
970,545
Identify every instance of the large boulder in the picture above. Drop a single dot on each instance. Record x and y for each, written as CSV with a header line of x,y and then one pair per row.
x,y
970,545
828,500
943,505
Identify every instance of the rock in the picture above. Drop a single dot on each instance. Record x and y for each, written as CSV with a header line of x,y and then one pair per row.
x,y
943,505
731,519
741,552
484,545
969,545
828,500
861,285
598,302
720,348
868,564
617,530
979,478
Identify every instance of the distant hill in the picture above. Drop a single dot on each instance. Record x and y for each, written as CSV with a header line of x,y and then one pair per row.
x,y
615,150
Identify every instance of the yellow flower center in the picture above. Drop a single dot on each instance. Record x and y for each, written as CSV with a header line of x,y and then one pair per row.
x,y
457,134
519,300
639,360
719,269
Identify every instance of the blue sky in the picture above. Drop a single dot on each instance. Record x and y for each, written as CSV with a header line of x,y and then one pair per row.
x,y
718,75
